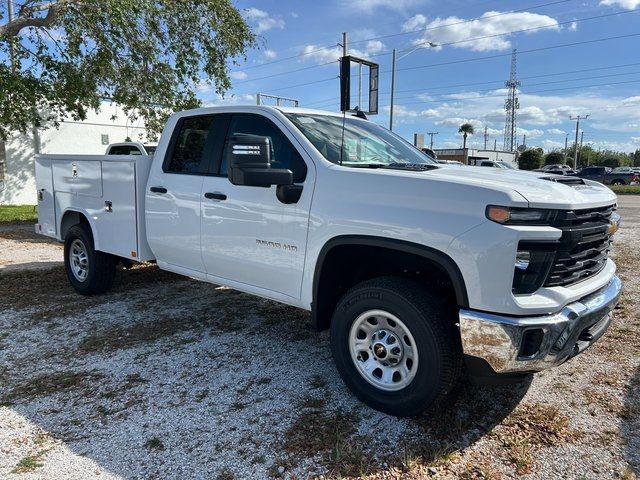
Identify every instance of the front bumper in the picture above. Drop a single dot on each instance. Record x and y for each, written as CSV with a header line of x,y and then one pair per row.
x,y
530,344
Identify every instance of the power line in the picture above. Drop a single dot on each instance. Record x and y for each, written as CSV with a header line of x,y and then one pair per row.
x,y
501,81
531,50
319,49
584,42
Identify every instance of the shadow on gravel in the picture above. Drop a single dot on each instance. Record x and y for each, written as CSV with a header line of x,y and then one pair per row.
x,y
630,423
165,377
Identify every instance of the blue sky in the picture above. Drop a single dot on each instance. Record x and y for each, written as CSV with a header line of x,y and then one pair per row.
x,y
439,88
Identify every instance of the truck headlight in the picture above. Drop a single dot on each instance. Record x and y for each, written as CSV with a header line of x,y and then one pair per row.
x,y
520,216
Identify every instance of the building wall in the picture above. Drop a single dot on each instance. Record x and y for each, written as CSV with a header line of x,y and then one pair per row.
x,y
18,186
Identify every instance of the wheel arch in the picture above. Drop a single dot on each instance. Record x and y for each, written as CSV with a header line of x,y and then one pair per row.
x,y
73,217
322,303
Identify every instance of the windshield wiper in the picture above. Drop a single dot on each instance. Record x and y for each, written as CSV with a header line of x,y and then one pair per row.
x,y
415,167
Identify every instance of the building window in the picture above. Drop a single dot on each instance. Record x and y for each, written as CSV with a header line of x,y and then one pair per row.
x,y
105,139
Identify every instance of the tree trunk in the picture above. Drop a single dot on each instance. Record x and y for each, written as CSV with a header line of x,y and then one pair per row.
x,y
464,141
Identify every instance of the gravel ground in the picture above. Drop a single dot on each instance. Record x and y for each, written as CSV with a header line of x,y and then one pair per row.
x,y
169,378
20,249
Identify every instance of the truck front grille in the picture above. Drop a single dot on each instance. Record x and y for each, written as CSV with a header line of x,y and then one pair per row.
x,y
584,245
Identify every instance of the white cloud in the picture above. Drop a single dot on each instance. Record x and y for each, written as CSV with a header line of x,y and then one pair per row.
x,y
631,101
230,100
270,54
556,131
573,26
262,20
238,75
370,5
628,4
459,32
415,22
294,15
530,133
635,139
324,55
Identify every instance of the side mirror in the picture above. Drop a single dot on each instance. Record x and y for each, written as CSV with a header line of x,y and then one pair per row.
x,y
249,162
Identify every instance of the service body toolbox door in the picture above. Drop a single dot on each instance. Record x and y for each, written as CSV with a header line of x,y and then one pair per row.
x,y
46,204
248,235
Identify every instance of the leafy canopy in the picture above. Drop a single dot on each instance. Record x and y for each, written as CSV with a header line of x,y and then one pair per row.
x,y
61,57
466,129
530,159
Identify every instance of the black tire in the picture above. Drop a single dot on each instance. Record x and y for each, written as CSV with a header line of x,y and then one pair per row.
x,y
618,182
100,267
430,323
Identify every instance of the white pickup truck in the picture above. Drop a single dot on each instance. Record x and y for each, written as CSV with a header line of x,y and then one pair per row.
x,y
417,269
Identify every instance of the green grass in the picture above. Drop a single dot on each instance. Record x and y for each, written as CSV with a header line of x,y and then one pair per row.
x,y
18,213
626,189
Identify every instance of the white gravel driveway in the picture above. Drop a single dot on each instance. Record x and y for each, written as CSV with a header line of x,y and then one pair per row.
x,y
169,378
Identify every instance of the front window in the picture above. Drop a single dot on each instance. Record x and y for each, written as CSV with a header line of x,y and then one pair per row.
x,y
361,144
507,165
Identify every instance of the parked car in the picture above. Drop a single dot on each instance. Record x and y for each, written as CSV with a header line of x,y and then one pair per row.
x,y
608,176
557,169
494,164
414,268
130,148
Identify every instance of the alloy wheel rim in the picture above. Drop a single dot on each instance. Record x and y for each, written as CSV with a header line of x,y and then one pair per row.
x,y
383,350
79,260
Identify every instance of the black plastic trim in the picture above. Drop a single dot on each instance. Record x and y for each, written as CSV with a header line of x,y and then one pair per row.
x,y
441,259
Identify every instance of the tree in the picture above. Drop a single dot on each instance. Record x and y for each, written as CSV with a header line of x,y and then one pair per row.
x,y
636,158
60,57
530,159
612,162
554,158
466,129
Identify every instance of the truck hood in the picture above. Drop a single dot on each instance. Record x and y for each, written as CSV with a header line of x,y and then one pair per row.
x,y
540,189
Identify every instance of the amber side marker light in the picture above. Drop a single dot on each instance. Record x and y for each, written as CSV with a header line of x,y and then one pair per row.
x,y
498,214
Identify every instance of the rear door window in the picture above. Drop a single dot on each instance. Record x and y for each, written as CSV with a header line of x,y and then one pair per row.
x,y
190,149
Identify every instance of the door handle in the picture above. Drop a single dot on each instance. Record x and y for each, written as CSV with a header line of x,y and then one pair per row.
x,y
215,196
158,190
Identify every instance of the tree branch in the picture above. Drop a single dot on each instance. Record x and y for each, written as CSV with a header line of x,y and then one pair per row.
x,y
26,19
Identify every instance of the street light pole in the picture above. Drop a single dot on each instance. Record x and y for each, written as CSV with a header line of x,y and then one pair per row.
x,y
575,148
393,87
393,75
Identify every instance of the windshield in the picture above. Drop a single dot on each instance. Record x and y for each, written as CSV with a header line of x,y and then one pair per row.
x,y
507,165
365,143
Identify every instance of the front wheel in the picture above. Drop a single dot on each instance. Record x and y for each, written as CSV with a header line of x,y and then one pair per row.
x,y
89,271
395,345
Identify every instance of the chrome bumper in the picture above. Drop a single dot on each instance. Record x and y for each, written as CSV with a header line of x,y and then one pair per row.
x,y
530,344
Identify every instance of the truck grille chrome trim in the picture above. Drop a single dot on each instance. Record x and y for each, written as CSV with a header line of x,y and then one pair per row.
x,y
584,245
498,339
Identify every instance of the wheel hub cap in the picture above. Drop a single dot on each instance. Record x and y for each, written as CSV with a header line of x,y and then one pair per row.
x,y
79,260
383,350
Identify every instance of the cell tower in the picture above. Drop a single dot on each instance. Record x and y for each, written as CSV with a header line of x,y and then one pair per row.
x,y
511,105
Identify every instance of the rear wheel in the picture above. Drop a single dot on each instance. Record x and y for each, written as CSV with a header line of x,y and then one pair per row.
x,y
395,345
617,182
88,270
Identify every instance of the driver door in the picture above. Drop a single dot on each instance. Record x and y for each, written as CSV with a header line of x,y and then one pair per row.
x,y
249,238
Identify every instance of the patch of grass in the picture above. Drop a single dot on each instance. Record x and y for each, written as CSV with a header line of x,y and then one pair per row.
x,y
154,443
18,213
27,464
625,189
50,384
318,381
532,426
628,474
225,474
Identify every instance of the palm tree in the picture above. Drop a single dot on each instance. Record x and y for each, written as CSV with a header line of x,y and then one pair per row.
x,y
466,129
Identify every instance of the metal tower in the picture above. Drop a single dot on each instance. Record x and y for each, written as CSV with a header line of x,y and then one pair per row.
x,y
511,105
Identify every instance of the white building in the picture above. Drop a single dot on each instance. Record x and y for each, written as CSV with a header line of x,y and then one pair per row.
x,y
471,156
91,136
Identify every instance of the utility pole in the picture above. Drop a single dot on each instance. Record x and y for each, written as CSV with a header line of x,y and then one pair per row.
x,y
431,134
575,150
485,137
393,87
581,137
566,140
345,45
524,140
495,144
